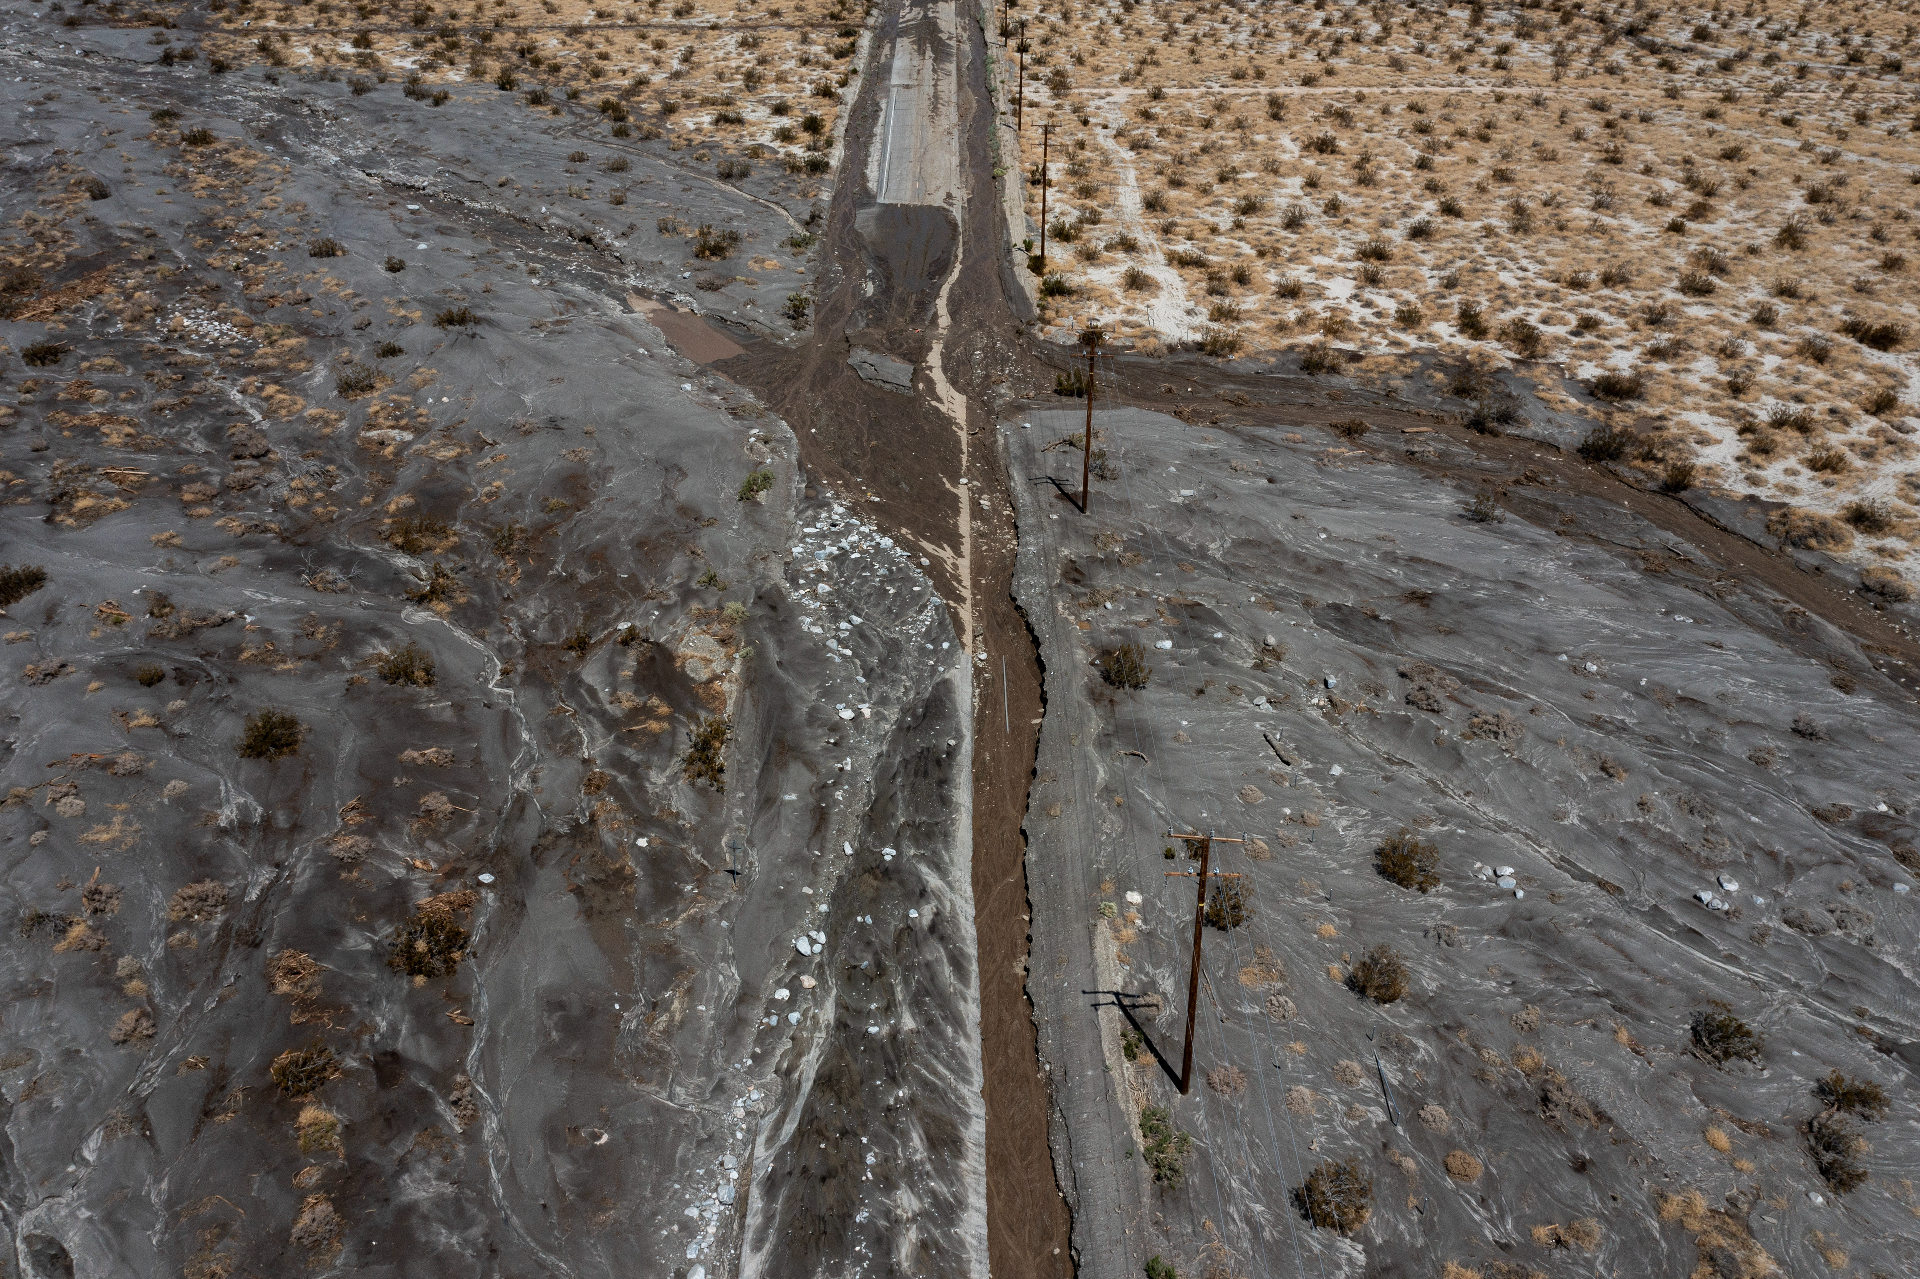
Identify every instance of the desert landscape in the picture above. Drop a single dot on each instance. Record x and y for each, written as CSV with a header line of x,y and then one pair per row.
x,y
1690,224
568,711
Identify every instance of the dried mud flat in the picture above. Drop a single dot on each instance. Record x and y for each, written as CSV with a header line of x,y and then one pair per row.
x,y
1340,655
601,903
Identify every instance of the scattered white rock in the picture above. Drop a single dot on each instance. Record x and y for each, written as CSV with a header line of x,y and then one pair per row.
x,y
783,993
1505,881
1729,883
1163,645
913,914
1134,898
1503,870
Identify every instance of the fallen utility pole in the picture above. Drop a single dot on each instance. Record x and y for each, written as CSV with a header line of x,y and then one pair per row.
x,y
1206,843
1090,338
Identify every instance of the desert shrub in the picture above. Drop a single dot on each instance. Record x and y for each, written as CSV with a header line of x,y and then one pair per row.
x,y
1055,285
1351,429
755,484
1163,1146
1381,975
706,751
1289,286
1815,347
1721,1037
415,534
270,735
455,317
1156,1268
1228,907
441,586
1786,417
1882,401
431,943
1697,284
1861,1097
1484,509
1222,343
579,642
1678,477
354,381
149,674
1320,358
1336,1196
711,245
318,1130
1887,584
1836,1148
1408,315
1125,666
1136,280
798,304
1470,319
1522,335
395,265
18,583
1792,234
1605,444
1869,516
410,665
299,1072
1375,249
200,137
1617,385
1832,461
326,247
42,355
1883,336
1408,861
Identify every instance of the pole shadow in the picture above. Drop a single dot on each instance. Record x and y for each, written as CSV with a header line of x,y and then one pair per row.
x,y
1126,1001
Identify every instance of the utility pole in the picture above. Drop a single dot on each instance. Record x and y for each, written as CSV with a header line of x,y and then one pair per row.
x,y
1020,103
1046,137
1206,843
1090,337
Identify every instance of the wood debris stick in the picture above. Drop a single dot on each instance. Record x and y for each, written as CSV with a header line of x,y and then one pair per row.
x,y
456,1014
1276,750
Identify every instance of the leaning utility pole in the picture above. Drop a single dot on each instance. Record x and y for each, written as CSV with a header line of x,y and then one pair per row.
x,y
1046,138
1206,843
1090,337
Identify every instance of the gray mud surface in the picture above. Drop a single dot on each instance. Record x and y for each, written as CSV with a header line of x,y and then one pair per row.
x,y
656,1022
1340,654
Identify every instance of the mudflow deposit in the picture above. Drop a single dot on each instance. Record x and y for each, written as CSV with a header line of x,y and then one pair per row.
x,y
565,714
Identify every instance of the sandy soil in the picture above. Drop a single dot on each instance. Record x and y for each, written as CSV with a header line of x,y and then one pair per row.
x,y
1701,216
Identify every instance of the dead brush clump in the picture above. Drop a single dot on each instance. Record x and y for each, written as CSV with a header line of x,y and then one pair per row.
x,y
706,757
1720,1037
1125,666
198,902
421,535
318,1131
300,1072
410,665
1727,1250
1228,1080
1336,1196
295,975
432,943
1407,860
1381,975
1583,1233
